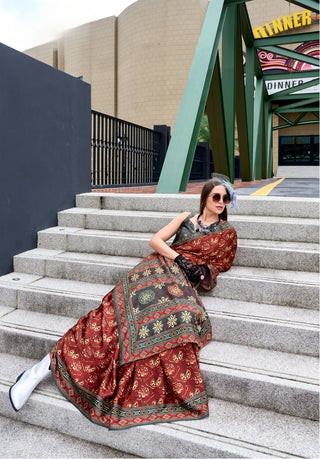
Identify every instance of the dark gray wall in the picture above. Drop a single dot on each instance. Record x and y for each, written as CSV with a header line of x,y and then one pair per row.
x,y
44,148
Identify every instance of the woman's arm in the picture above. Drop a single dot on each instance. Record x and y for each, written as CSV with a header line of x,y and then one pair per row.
x,y
158,241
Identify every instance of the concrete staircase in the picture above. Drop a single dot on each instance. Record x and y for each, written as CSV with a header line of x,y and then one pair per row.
x,y
260,370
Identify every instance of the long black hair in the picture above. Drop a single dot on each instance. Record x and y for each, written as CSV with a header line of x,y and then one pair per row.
x,y
206,190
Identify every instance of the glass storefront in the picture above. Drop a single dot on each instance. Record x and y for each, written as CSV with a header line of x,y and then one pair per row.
x,y
299,150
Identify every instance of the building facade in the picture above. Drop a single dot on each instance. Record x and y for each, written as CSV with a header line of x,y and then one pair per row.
x,y
138,63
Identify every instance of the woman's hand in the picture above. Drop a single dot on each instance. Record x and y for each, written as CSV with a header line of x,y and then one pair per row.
x,y
158,241
195,273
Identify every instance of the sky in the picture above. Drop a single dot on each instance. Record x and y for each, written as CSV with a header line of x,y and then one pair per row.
x,y
28,23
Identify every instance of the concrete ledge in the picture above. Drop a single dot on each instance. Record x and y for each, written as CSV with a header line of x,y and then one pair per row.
x,y
265,326
232,372
247,227
248,205
298,256
287,288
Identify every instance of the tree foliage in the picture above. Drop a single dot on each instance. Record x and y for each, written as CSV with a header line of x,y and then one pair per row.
x,y
204,134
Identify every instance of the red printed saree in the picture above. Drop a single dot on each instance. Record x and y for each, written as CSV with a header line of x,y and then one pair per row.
x,y
135,359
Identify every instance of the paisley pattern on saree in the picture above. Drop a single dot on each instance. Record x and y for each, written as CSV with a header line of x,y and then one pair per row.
x,y
156,306
155,321
157,309
162,388
216,250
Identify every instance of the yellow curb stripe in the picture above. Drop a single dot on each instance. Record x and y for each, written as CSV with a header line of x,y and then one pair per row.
x,y
265,190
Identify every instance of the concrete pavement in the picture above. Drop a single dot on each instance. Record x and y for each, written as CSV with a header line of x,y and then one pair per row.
x,y
288,187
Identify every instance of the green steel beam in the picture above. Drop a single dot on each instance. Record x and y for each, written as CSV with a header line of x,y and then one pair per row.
x,y
312,5
257,128
288,97
246,29
241,112
307,109
247,35
292,54
253,67
299,118
235,2
292,107
297,121
306,85
286,39
263,142
276,128
292,123
250,104
215,112
269,153
229,81
178,161
284,118
292,75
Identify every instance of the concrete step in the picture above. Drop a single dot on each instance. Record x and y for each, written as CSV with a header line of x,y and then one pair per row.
x,y
296,256
231,430
49,295
247,226
280,328
286,383
273,206
287,288
30,441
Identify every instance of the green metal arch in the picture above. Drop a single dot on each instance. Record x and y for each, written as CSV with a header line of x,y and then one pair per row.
x,y
224,93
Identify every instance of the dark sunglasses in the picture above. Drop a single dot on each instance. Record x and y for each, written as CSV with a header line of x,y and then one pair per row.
x,y
216,198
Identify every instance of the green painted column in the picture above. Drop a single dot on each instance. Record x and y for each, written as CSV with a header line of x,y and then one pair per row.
x,y
250,104
257,129
268,120
241,110
263,142
178,162
215,112
229,37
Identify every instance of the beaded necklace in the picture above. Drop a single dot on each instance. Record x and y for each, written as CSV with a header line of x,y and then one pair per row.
x,y
201,228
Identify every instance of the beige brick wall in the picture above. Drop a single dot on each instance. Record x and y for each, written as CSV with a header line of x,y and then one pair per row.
x,y
89,52
157,40
43,53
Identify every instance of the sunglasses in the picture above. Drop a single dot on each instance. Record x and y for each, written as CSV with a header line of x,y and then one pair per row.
x,y
216,197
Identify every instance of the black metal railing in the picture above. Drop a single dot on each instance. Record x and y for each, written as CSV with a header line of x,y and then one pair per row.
x,y
122,153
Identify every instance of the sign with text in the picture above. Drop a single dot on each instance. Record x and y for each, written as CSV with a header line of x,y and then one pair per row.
x,y
274,86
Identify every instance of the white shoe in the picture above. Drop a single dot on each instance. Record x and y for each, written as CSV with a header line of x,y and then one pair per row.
x,y
21,390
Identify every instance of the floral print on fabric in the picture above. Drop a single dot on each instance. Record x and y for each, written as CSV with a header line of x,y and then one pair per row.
x,y
162,388
135,359
154,292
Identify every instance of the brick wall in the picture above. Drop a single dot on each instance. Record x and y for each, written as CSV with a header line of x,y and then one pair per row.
x,y
157,41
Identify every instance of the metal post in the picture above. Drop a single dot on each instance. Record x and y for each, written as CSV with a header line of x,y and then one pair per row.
x,y
241,108
216,122
257,129
229,81
250,58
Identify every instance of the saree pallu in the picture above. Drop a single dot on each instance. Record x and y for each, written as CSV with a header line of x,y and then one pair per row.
x,y
135,359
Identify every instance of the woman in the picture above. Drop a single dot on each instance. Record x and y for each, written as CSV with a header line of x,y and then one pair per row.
x,y
135,359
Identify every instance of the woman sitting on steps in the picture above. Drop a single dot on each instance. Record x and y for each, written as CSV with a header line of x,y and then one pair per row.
x,y
135,359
